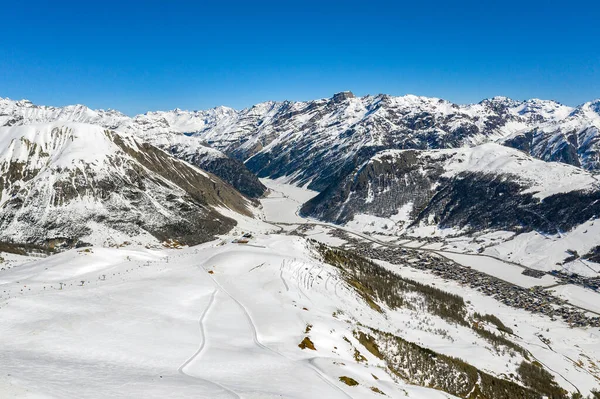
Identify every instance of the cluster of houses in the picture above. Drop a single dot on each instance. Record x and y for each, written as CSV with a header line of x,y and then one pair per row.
x,y
535,300
592,283
533,273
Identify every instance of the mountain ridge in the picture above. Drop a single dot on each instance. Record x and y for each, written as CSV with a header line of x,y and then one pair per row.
x,y
79,182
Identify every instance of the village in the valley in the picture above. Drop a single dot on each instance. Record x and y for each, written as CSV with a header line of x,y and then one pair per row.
x,y
536,299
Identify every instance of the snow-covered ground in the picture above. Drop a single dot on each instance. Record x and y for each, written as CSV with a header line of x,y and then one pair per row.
x,y
530,249
324,234
572,353
284,201
213,321
544,252
579,296
224,320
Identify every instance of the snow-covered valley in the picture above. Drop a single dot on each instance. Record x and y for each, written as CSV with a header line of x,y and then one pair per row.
x,y
440,271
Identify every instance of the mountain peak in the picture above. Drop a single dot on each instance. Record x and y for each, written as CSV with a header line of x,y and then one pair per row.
x,y
595,105
500,100
341,96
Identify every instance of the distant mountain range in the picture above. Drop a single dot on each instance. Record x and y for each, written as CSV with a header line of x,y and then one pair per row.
x,y
315,141
416,161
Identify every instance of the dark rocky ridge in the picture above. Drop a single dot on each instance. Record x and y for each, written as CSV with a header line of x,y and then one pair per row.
x,y
228,169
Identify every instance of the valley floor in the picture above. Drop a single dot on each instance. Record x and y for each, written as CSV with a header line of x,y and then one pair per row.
x,y
286,199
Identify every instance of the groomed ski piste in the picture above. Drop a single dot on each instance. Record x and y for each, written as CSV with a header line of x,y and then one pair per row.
x,y
225,320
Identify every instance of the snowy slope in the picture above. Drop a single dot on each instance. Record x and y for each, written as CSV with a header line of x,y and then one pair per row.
x,y
183,121
152,327
542,179
72,181
223,320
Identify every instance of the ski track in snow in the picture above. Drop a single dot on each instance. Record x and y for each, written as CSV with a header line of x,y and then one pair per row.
x,y
254,333
181,368
283,279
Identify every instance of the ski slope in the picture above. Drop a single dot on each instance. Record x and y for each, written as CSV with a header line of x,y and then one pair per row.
x,y
214,321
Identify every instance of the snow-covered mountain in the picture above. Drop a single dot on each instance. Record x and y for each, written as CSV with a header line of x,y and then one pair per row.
x,y
487,187
326,144
24,112
317,142
72,181
154,128
299,308
574,139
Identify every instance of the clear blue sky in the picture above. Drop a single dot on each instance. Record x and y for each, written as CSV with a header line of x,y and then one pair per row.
x,y
147,55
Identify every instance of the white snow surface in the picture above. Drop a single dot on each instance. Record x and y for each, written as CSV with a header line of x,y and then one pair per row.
x,y
69,144
579,296
214,321
547,252
225,320
284,201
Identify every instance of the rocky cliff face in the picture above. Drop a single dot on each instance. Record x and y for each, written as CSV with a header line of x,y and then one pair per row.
x,y
77,181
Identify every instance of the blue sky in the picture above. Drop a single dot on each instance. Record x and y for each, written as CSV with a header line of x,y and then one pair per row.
x,y
139,56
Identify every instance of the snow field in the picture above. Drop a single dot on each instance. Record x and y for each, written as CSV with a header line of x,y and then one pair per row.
x,y
214,321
